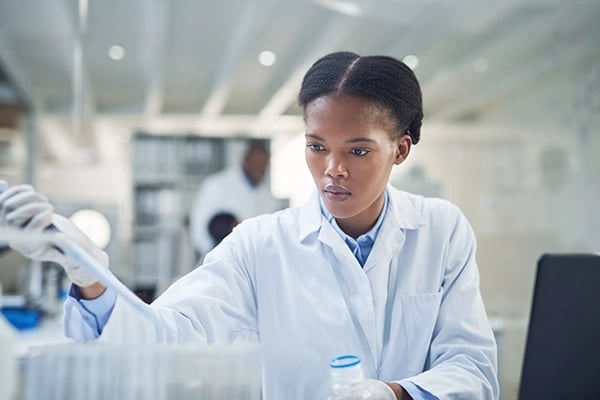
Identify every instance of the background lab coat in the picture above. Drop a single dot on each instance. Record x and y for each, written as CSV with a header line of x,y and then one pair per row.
x,y
227,190
289,280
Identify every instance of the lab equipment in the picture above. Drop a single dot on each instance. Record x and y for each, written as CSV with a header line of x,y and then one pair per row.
x,y
23,208
78,275
89,264
76,253
95,371
347,377
21,318
8,363
86,262
348,381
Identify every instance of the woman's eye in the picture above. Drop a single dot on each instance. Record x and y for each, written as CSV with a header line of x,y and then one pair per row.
x,y
359,152
315,147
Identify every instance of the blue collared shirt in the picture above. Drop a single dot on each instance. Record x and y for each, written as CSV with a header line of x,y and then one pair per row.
x,y
362,246
94,312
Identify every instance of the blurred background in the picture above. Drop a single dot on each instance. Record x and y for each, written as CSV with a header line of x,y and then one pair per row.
x,y
118,109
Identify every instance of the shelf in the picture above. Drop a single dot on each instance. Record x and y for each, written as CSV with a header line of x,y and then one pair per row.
x,y
167,171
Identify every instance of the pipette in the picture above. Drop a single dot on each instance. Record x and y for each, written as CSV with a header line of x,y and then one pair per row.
x,y
85,261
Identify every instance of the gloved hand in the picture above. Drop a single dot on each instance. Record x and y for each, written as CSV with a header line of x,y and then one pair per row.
x,y
370,389
21,207
379,390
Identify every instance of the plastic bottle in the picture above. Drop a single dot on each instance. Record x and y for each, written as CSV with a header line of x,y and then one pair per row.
x,y
348,381
347,378
8,362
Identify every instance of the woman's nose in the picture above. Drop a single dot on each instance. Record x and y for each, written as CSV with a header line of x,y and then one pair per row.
x,y
336,168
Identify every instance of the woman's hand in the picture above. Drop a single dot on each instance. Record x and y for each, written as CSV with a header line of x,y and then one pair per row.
x,y
22,208
399,391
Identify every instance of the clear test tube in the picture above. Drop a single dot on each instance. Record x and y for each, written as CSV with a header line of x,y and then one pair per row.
x,y
71,371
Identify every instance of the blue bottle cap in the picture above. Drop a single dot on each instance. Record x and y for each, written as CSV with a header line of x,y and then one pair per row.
x,y
345,361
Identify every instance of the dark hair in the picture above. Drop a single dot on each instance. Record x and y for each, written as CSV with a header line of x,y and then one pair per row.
x,y
386,80
221,225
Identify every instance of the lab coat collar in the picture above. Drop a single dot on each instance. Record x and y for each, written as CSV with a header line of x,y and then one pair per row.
x,y
404,208
310,216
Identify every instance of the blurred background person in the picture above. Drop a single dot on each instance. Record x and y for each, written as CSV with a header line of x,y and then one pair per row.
x,y
241,191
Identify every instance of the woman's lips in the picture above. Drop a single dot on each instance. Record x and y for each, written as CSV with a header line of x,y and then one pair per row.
x,y
336,193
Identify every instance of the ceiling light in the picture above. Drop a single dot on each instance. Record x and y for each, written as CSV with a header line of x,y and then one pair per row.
x,y
116,52
411,60
480,65
344,7
94,224
267,58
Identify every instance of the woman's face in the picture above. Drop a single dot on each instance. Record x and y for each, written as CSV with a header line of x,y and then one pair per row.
x,y
350,152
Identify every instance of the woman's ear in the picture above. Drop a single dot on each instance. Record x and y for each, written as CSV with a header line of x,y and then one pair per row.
x,y
403,145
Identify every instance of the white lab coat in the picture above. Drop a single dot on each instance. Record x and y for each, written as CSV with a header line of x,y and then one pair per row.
x,y
227,191
287,279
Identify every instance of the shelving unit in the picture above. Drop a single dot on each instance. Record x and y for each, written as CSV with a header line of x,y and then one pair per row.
x,y
12,164
167,171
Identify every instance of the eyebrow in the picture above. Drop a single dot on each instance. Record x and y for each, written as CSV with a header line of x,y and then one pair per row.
x,y
353,140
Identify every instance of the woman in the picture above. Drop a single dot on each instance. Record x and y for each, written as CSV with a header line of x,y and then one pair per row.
x,y
360,268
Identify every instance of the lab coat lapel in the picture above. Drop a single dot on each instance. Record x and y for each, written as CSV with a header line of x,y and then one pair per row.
x,y
355,289
365,291
381,268
331,238
352,281
311,222
402,214
387,244
385,261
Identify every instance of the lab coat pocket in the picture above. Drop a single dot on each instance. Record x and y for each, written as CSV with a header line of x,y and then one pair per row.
x,y
419,315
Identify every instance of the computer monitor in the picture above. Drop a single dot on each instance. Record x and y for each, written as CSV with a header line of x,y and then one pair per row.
x,y
562,352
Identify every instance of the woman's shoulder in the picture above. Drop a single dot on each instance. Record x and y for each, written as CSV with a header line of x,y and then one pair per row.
x,y
270,222
428,208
